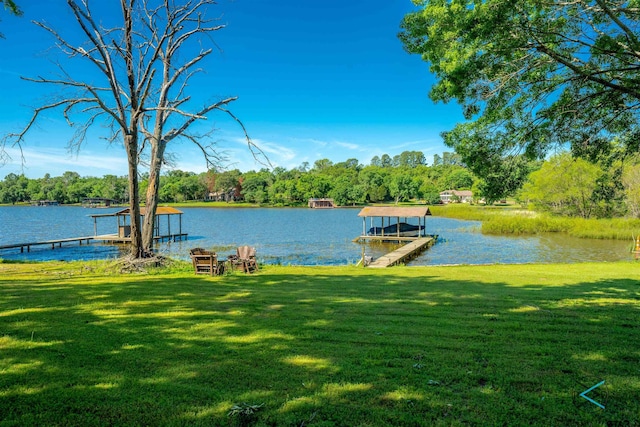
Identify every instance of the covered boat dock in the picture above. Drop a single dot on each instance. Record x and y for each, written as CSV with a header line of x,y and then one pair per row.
x,y
123,220
389,226
396,224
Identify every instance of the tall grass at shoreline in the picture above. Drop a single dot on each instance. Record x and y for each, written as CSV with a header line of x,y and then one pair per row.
x,y
513,220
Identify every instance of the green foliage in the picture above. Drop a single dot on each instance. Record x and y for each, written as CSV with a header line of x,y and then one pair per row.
x,y
505,220
325,346
531,76
563,186
348,183
12,7
631,184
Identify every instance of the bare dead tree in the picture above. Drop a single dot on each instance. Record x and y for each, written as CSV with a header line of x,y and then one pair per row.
x,y
144,66
173,29
107,55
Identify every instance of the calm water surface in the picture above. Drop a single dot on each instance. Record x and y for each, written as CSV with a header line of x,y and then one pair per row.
x,y
293,237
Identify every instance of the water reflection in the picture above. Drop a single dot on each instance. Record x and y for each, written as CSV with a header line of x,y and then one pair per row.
x,y
297,237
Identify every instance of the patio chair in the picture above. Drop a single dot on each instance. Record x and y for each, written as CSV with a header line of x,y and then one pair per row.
x,y
245,259
206,262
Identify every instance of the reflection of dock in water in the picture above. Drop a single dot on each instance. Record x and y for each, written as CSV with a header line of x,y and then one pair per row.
x,y
404,253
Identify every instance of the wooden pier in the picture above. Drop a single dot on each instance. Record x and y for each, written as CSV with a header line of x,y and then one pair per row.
x,y
404,253
104,238
52,243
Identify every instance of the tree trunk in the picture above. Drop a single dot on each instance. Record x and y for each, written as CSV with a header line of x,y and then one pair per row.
x,y
131,145
157,154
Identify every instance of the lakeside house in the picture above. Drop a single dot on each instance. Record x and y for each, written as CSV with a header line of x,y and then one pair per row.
x,y
456,196
233,194
322,203
98,202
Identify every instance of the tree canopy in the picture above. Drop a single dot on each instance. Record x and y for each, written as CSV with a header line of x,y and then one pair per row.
x,y
532,75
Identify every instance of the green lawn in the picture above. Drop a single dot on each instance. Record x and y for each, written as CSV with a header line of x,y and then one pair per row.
x,y
320,346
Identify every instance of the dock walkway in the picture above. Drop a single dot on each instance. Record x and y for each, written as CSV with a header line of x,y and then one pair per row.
x,y
404,253
53,243
105,238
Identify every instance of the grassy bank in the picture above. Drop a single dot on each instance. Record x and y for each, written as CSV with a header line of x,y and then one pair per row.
x,y
514,220
323,346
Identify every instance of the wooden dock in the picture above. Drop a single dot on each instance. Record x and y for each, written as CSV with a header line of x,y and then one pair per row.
x,y
105,238
53,243
404,253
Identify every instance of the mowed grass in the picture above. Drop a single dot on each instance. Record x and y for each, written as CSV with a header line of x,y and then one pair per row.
x,y
320,346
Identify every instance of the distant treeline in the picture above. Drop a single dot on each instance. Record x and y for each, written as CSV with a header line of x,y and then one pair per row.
x,y
561,185
386,179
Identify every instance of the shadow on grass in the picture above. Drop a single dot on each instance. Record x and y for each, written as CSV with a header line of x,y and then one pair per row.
x,y
325,349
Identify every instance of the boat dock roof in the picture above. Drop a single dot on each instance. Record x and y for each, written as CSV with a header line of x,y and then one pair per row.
x,y
391,211
160,210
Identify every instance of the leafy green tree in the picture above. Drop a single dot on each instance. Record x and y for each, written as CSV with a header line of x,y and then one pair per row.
x,y
352,164
112,187
429,192
14,189
374,180
411,159
564,186
504,179
386,161
631,184
609,195
452,159
322,164
357,194
532,75
312,185
457,178
34,189
402,186
227,180
255,186
340,192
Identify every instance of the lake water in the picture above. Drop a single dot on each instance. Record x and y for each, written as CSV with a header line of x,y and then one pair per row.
x,y
292,237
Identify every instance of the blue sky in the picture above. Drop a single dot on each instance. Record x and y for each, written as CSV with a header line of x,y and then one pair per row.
x,y
314,79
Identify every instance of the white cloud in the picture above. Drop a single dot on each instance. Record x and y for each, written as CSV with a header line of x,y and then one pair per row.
x,y
350,146
56,161
279,150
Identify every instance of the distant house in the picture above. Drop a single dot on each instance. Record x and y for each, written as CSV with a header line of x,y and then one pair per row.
x,y
232,194
98,202
321,203
456,196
